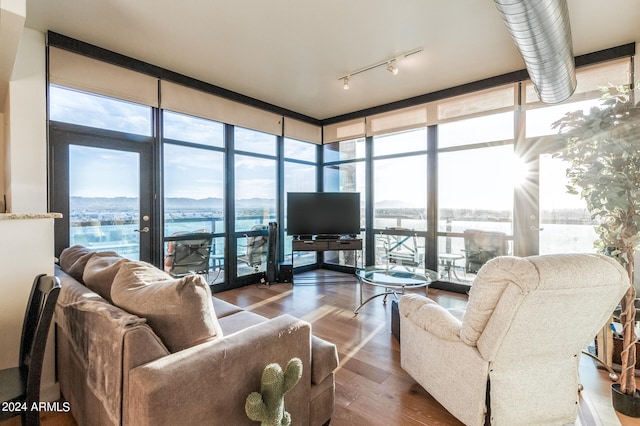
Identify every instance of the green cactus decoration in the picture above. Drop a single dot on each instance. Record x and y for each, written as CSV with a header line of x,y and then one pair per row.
x,y
267,406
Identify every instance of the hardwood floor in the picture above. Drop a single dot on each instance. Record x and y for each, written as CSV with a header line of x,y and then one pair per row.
x,y
371,387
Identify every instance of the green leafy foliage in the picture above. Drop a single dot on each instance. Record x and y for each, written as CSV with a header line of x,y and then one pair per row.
x,y
603,152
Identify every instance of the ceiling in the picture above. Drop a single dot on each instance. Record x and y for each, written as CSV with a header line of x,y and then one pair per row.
x,y
291,53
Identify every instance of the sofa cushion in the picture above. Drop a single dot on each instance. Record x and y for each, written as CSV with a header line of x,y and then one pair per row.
x,y
100,271
180,311
224,308
74,259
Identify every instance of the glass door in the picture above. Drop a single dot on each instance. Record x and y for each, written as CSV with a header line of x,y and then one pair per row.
x,y
103,189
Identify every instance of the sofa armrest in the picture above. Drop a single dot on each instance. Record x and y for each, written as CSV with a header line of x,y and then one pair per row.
x,y
211,381
324,359
428,315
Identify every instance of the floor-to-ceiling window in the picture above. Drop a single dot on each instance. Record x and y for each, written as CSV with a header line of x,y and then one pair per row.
x,y
255,197
194,188
344,171
399,163
300,175
560,222
226,176
477,171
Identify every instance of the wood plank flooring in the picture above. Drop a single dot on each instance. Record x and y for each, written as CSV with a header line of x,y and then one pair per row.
x,y
371,387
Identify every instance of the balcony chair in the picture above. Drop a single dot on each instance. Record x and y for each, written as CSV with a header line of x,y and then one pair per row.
x,y
402,249
190,255
21,384
513,355
482,246
257,246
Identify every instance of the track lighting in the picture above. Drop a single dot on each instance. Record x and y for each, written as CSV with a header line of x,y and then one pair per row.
x,y
388,62
393,70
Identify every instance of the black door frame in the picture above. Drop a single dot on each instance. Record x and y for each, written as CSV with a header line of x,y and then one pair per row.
x,y
61,136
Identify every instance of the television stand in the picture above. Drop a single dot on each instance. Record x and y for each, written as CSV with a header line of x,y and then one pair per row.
x,y
327,244
333,244
325,237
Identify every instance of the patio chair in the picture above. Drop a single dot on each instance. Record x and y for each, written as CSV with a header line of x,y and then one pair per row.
x,y
482,246
257,246
402,249
190,255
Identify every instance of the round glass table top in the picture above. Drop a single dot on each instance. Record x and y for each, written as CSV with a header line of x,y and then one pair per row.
x,y
397,276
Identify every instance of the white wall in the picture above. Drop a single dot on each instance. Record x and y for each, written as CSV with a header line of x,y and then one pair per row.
x,y
29,254
26,141
2,161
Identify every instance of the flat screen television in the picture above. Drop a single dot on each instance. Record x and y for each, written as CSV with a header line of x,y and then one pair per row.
x,y
323,214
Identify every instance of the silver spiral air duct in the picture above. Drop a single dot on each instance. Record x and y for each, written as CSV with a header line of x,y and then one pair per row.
x,y
542,33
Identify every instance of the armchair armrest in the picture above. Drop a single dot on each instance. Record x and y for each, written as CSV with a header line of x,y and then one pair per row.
x,y
428,315
212,380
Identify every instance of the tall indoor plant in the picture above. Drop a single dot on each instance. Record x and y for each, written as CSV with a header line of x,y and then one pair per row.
x,y
603,152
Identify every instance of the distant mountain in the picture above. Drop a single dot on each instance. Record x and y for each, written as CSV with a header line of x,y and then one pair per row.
x,y
104,203
129,203
193,204
393,204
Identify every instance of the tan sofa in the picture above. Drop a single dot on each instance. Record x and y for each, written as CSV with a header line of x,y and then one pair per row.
x,y
137,347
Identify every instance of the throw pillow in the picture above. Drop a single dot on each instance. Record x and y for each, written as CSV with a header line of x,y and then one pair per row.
x,y
180,311
74,259
100,271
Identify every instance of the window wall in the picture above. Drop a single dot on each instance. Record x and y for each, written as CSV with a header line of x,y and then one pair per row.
x,y
194,187
255,181
204,165
300,175
345,171
477,171
400,197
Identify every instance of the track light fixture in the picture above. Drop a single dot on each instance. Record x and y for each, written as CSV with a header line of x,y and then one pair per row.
x,y
388,62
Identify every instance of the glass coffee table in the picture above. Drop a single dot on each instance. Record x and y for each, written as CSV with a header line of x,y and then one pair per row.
x,y
393,279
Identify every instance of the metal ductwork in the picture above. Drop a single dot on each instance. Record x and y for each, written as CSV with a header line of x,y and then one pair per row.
x,y
542,33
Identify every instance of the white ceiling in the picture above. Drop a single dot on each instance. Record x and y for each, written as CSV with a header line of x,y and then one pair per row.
x,y
290,53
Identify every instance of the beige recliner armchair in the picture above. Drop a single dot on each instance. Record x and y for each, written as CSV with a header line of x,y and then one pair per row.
x,y
514,353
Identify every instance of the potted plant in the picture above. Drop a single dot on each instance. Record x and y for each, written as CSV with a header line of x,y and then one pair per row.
x,y
602,149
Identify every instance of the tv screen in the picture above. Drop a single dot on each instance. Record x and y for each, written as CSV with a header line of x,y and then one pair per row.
x,y
323,213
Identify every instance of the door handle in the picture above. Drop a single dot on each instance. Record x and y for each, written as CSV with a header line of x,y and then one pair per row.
x,y
533,228
145,229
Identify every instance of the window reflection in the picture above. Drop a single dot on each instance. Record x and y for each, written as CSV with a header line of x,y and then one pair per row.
x,y
345,150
